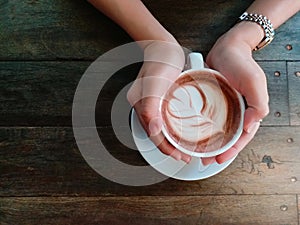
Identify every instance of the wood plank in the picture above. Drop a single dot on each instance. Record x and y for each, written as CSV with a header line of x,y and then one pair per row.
x,y
271,159
38,93
41,93
49,30
197,28
278,93
47,162
285,45
298,202
235,210
294,92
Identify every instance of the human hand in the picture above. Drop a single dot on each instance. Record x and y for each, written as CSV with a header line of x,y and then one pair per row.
x,y
232,56
163,62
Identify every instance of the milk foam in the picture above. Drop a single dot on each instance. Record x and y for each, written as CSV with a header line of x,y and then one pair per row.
x,y
196,112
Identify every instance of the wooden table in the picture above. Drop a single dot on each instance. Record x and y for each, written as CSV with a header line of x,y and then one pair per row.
x,y
45,47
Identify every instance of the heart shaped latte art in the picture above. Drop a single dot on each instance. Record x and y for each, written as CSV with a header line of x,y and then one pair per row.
x,y
198,112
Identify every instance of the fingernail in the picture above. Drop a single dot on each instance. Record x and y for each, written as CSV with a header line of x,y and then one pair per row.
x,y
207,161
186,158
154,127
225,157
220,161
176,156
252,127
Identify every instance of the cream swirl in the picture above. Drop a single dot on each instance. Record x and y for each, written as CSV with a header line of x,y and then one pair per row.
x,y
197,113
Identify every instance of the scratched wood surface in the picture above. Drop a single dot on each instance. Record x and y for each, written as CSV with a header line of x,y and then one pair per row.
x,y
271,209
41,93
47,162
294,92
44,30
46,46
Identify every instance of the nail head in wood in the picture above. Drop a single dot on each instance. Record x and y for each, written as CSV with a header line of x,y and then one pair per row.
x,y
277,74
293,179
289,47
283,207
277,114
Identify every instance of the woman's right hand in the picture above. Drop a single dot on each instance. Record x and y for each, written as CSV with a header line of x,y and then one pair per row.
x,y
232,56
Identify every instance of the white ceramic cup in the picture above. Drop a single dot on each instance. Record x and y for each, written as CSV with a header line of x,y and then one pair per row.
x,y
195,65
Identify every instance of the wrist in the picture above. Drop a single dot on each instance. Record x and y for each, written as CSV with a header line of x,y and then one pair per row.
x,y
162,36
164,52
247,32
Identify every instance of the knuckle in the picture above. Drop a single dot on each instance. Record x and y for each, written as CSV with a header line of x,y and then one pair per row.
x,y
146,114
130,96
264,111
257,76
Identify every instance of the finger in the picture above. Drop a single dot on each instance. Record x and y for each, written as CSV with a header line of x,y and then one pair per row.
x,y
134,93
150,114
251,118
208,160
250,80
166,148
150,119
157,79
154,80
253,115
238,146
155,125
256,95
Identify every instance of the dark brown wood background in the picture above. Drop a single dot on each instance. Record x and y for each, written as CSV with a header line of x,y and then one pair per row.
x,y
45,47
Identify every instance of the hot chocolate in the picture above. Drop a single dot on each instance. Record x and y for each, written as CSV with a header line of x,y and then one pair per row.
x,y
201,112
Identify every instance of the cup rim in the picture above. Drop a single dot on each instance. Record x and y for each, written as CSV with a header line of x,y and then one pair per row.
x,y
230,143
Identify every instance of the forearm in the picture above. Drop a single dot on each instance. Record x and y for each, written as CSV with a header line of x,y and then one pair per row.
x,y
134,18
277,11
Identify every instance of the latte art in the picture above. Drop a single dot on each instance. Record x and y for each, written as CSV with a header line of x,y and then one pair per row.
x,y
200,111
200,118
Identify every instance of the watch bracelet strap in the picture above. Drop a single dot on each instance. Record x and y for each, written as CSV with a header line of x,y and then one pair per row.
x,y
264,23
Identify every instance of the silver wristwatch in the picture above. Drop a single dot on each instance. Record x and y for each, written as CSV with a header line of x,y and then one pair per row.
x,y
265,24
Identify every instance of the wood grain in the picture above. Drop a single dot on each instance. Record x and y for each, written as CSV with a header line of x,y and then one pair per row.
x,y
46,162
47,30
285,45
234,210
294,92
73,29
41,93
278,93
46,46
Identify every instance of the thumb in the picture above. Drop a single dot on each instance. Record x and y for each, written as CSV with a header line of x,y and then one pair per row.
x,y
155,125
151,116
254,88
253,116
